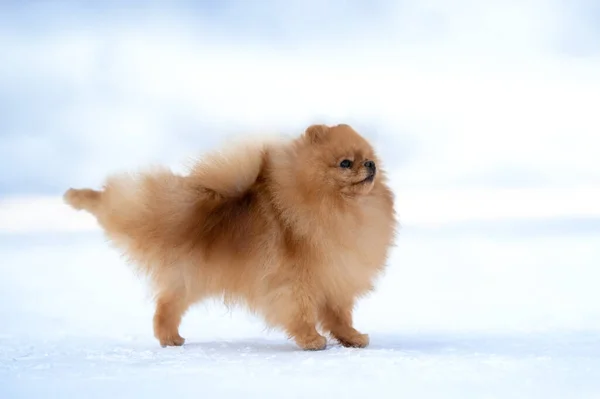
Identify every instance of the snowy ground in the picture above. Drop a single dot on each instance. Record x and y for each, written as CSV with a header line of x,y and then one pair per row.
x,y
496,308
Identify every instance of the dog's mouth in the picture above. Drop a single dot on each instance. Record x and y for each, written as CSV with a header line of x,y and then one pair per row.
x,y
368,179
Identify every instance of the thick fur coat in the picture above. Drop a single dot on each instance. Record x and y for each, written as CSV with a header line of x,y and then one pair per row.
x,y
296,231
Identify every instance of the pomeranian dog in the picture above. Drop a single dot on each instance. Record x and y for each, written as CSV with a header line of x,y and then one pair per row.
x,y
295,230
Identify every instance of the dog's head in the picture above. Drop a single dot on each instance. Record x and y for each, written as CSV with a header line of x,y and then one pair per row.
x,y
337,159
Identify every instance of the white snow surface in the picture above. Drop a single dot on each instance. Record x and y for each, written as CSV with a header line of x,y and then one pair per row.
x,y
479,308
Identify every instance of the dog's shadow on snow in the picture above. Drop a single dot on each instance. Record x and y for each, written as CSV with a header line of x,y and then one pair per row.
x,y
242,346
402,343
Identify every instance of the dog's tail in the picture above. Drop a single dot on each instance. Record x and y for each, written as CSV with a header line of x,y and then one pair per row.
x,y
231,171
83,199
142,213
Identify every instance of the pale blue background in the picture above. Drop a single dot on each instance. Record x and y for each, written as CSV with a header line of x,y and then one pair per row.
x,y
88,87
487,291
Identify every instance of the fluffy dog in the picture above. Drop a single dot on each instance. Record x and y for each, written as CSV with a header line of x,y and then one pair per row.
x,y
296,231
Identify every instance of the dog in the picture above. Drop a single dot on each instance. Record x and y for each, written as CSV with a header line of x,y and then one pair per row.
x,y
296,230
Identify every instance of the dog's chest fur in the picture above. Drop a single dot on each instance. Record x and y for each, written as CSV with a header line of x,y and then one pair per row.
x,y
353,250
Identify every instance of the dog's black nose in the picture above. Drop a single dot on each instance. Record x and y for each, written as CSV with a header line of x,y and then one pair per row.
x,y
370,165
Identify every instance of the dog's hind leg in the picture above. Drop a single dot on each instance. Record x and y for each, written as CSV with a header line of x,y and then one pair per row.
x,y
170,307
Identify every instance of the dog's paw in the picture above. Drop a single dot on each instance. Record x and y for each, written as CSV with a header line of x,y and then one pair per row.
x,y
357,340
312,343
175,340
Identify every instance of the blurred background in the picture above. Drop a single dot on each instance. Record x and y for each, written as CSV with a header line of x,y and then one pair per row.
x,y
487,117
456,95
486,113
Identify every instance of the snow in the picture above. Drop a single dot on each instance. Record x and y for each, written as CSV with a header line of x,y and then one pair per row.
x,y
475,307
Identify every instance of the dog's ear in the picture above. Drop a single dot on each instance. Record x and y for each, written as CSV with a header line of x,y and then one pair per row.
x,y
316,133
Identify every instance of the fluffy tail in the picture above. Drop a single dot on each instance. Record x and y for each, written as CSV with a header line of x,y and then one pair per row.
x,y
154,208
155,215
235,168
83,199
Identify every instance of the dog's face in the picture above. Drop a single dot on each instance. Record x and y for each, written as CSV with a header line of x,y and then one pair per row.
x,y
339,159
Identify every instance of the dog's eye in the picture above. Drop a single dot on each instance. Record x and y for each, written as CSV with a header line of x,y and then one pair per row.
x,y
346,163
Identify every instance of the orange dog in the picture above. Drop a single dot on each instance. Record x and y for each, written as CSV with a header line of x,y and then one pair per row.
x,y
296,231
